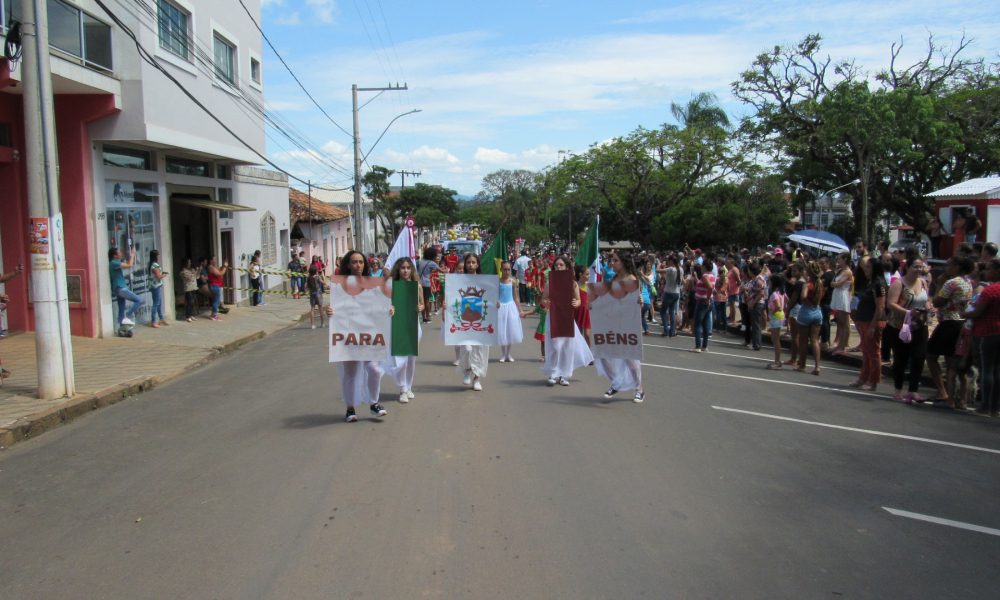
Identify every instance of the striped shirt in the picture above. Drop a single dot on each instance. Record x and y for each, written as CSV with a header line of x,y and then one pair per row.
x,y
703,291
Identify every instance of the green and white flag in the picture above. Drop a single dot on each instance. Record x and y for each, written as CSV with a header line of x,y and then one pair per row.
x,y
590,253
497,252
404,321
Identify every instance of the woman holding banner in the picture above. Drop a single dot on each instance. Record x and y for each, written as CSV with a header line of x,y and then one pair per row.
x,y
360,380
624,374
565,354
403,368
474,358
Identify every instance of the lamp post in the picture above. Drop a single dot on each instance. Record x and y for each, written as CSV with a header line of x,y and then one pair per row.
x,y
821,194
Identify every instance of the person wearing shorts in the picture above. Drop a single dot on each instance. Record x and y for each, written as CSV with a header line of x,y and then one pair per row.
x,y
951,300
315,285
776,317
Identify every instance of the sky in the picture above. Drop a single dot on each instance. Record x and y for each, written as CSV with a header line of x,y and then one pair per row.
x,y
511,85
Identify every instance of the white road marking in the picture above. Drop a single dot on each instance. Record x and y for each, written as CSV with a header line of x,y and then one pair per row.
x,y
855,429
940,521
746,357
777,381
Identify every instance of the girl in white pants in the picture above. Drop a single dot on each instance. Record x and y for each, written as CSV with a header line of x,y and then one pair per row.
x,y
473,360
360,380
403,368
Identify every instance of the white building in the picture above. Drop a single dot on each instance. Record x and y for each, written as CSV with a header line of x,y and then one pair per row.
x,y
141,165
345,199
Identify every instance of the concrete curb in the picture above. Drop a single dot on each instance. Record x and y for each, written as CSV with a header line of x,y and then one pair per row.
x,y
77,406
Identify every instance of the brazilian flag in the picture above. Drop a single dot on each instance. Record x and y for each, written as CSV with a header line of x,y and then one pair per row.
x,y
495,254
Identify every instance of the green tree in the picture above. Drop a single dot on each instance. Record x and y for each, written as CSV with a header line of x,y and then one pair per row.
x,y
640,176
424,195
429,217
384,204
904,131
482,215
752,211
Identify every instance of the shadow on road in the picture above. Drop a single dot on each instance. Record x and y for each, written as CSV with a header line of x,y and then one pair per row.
x,y
310,421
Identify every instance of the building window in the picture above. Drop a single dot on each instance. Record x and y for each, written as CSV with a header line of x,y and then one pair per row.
x,y
225,196
173,26
6,140
117,156
255,70
187,166
268,248
77,34
223,172
225,64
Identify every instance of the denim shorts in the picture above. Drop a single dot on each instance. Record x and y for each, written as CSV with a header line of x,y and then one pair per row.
x,y
776,323
735,298
809,315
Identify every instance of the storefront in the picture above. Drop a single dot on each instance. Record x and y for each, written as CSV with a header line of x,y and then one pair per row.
x,y
132,227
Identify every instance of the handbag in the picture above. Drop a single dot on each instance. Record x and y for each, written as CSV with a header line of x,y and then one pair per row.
x,y
905,334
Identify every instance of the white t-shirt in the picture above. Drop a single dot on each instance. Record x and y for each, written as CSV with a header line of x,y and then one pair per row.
x,y
521,265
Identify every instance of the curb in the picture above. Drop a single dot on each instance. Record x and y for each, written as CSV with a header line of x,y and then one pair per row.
x,y
786,343
77,406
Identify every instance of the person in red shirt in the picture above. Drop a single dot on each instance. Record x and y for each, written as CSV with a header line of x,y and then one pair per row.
x,y
986,329
451,260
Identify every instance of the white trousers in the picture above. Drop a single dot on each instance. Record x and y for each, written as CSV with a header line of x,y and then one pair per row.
x,y
360,381
474,358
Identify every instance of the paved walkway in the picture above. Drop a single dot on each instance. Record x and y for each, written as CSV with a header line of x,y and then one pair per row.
x,y
101,364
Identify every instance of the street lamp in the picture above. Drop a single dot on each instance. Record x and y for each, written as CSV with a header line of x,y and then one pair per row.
x,y
821,194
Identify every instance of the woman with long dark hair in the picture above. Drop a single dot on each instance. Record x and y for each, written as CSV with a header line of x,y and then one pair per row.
x,y
564,354
810,317
670,283
189,277
840,303
402,369
704,288
624,374
870,318
156,277
360,380
907,301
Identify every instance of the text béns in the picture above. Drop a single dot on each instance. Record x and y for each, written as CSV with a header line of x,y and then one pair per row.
x,y
616,339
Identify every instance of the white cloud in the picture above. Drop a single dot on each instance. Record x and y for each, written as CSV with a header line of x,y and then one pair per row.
x,y
533,159
325,10
292,19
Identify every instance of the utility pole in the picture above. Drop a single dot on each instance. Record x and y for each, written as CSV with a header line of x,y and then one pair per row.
x,y
53,342
403,174
358,213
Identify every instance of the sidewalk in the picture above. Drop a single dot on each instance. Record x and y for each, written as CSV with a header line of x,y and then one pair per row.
x,y
108,370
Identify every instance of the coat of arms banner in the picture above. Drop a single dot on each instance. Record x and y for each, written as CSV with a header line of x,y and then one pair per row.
x,y
471,310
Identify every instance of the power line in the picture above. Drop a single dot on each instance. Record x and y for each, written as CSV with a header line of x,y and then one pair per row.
x,y
290,72
147,57
205,64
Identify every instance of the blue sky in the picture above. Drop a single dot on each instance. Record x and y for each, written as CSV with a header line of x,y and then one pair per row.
x,y
510,84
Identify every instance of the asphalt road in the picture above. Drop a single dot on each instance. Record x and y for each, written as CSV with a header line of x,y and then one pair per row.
x,y
242,481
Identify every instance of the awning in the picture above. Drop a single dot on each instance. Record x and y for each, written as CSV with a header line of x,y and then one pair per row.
x,y
205,201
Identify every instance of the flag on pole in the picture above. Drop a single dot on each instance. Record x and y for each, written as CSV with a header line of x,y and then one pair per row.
x,y
405,245
495,254
590,253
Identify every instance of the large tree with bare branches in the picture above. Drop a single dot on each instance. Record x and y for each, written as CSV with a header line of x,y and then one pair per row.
x,y
903,131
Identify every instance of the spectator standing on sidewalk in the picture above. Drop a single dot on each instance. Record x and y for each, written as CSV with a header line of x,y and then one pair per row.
x,y
756,295
256,297
293,268
5,299
215,284
119,287
520,269
156,277
189,276
314,283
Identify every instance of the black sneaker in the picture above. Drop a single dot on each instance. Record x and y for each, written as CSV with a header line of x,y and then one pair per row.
x,y
639,396
351,415
610,392
378,411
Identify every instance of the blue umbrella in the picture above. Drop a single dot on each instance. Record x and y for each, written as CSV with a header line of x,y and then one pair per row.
x,y
824,240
